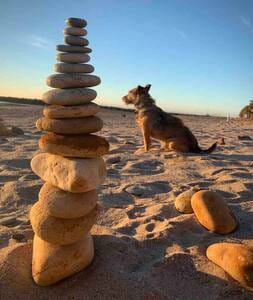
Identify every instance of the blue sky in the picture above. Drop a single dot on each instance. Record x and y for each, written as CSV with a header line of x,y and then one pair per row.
x,y
197,54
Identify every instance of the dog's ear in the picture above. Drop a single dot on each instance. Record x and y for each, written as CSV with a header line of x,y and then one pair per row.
x,y
147,88
139,89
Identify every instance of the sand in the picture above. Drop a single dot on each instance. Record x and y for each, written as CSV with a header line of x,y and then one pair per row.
x,y
145,249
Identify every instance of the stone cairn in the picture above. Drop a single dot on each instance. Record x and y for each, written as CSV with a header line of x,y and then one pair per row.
x,y
70,164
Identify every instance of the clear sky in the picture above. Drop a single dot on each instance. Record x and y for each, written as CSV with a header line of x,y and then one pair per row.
x,y
197,54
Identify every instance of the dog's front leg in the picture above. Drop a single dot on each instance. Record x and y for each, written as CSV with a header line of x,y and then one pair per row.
x,y
146,141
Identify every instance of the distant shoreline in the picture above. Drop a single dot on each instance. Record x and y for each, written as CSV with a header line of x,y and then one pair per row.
x,y
26,101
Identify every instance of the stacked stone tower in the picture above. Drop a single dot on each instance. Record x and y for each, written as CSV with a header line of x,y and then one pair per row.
x,y
70,164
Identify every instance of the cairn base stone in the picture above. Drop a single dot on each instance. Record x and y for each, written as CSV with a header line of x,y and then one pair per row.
x,y
60,204
60,231
71,175
52,263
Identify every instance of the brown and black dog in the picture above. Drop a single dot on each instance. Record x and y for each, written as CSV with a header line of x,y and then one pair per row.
x,y
155,123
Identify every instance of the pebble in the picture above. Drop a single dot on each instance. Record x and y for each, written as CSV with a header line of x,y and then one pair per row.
x,y
69,96
64,81
52,263
73,49
73,57
73,175
75,31
73,68
65,112
74,146
75,40
76,22
70,126
183,202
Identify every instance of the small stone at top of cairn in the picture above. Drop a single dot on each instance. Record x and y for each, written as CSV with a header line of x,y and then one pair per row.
x,y
71,164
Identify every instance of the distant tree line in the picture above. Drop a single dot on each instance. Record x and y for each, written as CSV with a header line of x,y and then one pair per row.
x,y
247,111
21,100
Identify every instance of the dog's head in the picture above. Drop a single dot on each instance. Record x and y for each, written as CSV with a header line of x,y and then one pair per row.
x,y
135,94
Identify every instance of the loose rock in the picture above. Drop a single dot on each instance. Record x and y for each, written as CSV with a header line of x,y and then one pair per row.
x,y
235,259
71,175
71,126
74,146
73,68
212,212
60,231
60,204
63,81
69,96
183,202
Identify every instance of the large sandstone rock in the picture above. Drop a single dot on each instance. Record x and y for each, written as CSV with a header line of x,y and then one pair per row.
x,y
74,146
183,202
73,68
69,96
65,112
76,22
75,40
235,259
70,174
60,231
73,57
75,31
52,263
212,212
63,81
73,49
70,126
61,204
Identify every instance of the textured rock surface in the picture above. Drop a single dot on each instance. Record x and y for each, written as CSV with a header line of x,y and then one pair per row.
x,y
75,40
76,22
75,31
183,202
73,57
235,259
60,231
69,96
73,68
63,81
60,204
74,146
71,126
65,112
73,49
72,175
52,263
212,212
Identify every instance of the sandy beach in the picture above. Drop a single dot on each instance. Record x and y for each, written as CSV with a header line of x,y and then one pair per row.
x,y
145,249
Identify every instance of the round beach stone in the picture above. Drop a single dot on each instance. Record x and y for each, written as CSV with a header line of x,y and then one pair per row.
x,y
65,112
73,58
212,212
76,22
235,259
75,40
60,231
73,68
73,175
73,49
51,263
61,204
183,202
74,146
75,31
69,96
70,126
64,81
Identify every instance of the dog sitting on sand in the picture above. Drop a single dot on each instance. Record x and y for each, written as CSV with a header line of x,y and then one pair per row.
x,y
155,123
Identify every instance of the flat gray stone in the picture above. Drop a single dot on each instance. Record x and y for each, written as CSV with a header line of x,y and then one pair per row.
x,y
63,81
69,96
73,57
73,68
76,22
73,49
75,31
75,40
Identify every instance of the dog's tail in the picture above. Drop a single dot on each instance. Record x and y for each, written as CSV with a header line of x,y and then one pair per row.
x,y
206,151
